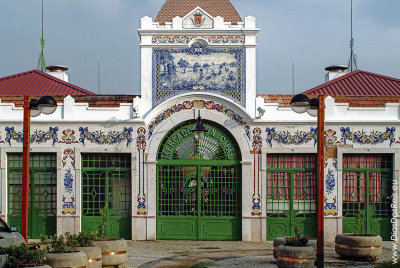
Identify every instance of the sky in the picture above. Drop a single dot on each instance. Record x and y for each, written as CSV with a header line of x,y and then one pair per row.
x,y
312,34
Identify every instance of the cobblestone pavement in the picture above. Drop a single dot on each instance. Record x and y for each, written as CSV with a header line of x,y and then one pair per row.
x,y
199,254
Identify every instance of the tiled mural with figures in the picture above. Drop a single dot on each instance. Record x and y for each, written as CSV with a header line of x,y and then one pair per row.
x,y
199,68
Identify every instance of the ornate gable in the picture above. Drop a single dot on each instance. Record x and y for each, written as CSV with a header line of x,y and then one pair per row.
x,y
197,19
181,8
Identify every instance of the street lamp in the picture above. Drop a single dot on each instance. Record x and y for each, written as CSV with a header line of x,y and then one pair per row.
x,y
32,108
199,129
316,107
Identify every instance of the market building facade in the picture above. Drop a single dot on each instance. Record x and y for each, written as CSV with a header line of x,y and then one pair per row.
x,y
134,160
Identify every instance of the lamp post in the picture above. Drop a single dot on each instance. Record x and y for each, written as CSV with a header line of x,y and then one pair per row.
x,y
316,107
32,108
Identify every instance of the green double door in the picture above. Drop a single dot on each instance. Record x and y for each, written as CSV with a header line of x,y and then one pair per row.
x,y
291,195
42,193
106,194
367,194
199,202
199,185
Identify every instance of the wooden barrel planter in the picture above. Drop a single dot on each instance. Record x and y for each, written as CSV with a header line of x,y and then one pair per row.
x,y
359,246
94,257
113,251
312,241
296,256
67,260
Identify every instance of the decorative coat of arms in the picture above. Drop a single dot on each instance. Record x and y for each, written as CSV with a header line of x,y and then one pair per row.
x,y
198,19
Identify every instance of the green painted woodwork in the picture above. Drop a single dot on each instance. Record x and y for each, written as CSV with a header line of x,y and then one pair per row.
x,y
198,202
42,193
107,177
198,185
367,199
291,197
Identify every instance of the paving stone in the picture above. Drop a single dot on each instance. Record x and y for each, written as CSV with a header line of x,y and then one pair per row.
x,y
199,254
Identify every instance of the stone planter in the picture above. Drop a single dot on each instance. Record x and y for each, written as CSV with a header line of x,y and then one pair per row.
x,y
75,259
113,251
42,266
359,246
282,240
93,256
298,257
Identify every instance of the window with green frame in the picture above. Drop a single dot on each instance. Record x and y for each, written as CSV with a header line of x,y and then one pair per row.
x,y
42,192
291,194
367,190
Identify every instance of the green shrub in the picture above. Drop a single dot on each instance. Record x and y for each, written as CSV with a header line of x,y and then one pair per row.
x,y
83,239
297,240
388,264
21,255
59,244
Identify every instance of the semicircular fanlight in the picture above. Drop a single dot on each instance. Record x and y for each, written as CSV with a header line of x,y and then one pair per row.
x,y
180,144
206,149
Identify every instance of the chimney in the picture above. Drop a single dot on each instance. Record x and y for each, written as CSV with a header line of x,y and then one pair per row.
x,y
58,71
334,71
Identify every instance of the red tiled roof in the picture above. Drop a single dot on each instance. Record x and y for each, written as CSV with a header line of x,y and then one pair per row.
x,y
38,83
359,83
353,101
93,101
181,8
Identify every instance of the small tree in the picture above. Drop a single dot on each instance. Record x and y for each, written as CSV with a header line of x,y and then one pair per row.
x,y
103,226
297,240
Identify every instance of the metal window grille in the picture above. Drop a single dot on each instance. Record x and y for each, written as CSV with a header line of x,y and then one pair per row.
x,y
42,192
106,175
291,184
213,191
291,194
106,180
367,192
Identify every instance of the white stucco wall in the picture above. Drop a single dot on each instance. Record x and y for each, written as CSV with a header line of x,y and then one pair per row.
x,y
367,122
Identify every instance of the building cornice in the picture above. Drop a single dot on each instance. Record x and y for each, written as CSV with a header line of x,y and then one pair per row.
x,y
151,32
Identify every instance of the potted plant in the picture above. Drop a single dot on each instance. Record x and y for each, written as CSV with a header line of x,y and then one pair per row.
x,y
84,243
22,256
113,250
358,246
312,241
62,252
296,252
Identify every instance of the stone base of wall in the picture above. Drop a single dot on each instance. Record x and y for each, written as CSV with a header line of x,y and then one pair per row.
x,y
71,224
144,228
331,229
254,229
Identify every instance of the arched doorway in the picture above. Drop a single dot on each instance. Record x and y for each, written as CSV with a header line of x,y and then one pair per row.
x,y
199,184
